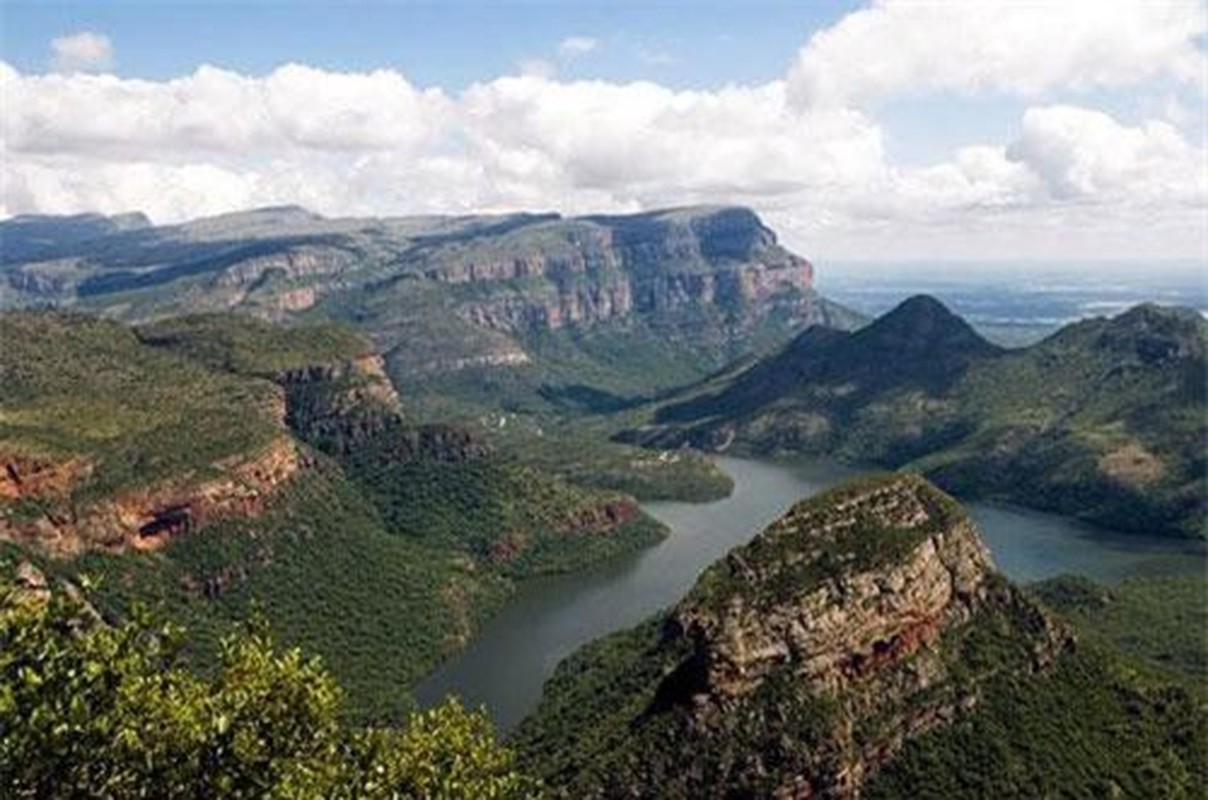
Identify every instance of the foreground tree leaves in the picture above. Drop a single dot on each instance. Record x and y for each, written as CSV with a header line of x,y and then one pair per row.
x,y
111,711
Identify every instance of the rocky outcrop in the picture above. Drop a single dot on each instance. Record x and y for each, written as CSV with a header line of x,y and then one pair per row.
x,y
29,478
147,518
850,624
356,382
799,665
602,517
299,262
338,406
856,600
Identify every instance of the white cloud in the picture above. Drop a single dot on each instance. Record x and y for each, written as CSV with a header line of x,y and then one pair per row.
x,y
1085,155
900,47
576,46
216,111
165,191
82,52
374,143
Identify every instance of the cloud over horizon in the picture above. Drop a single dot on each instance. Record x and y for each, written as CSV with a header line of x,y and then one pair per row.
x,y
807,150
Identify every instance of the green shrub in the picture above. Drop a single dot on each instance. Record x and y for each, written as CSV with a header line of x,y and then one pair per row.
x,y
89,709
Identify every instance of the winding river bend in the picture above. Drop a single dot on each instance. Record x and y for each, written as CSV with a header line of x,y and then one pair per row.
x,y
506,665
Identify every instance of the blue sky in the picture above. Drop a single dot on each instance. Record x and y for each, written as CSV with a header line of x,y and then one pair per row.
x,y
968,129
449,44
682,45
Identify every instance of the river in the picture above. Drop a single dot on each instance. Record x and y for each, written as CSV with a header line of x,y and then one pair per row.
x,y
508,662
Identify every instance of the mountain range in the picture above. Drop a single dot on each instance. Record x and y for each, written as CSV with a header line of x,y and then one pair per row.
x,y
369,433
1104,419
516,307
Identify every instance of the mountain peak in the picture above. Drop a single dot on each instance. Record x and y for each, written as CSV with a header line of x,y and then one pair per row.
x,y
1152,315
923,323
1155,333
870,524
921,309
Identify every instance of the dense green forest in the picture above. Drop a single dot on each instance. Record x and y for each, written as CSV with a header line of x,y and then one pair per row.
x,y
382,554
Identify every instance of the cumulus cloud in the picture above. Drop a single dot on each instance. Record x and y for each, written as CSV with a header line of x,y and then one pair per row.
x,y
216,111
375,143
1024,48
576,46
641,139
82,52
167,191
1082,154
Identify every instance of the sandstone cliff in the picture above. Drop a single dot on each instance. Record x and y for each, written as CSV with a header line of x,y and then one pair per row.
x,y
443,295
802,662
46,514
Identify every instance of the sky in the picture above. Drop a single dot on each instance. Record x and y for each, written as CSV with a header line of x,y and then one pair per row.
x,y
891,130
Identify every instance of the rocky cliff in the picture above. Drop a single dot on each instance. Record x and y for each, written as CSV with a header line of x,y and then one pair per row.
x,y
45,513
599,268
113,439
801,663
577,270
636,302
275,465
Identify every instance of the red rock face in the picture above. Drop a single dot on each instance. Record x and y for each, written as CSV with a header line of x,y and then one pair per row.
x,y
148,518
149,521
601,518
23,477
864,633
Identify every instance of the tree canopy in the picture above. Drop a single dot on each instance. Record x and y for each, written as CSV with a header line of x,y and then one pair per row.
x,y
94,709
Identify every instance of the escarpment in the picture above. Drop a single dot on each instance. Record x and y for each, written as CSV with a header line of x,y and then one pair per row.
x,y
337,406
115,439
595,269
800,664
60,518
444,296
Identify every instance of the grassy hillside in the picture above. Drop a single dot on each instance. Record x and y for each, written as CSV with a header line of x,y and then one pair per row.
x,y
76,386
1091,730
249,346
1160,623
1105,420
